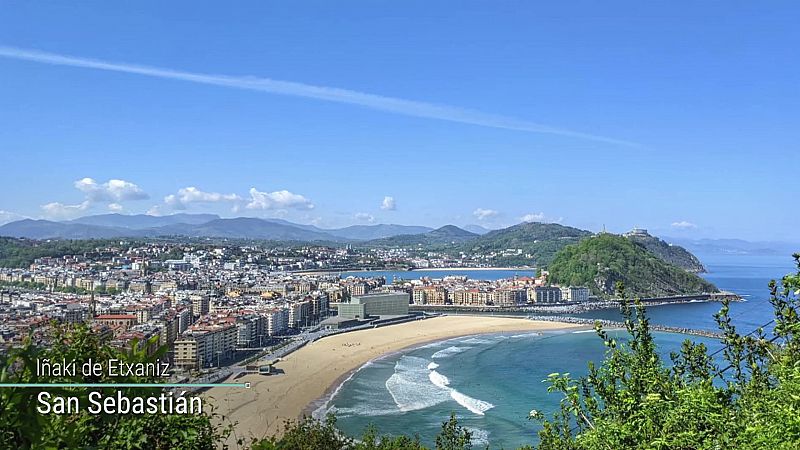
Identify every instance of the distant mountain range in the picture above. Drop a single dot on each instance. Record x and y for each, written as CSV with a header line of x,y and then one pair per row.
x,y
106,226
521,244
736,246
141,221
477,229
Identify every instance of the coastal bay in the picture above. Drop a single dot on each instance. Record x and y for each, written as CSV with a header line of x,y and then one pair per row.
x,y
315,370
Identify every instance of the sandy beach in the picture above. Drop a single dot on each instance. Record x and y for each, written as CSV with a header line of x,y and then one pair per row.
x,y
316,369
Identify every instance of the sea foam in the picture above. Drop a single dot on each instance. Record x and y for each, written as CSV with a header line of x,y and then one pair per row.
x,y
478,341
410,386
525,335
472,404
480,437
449,351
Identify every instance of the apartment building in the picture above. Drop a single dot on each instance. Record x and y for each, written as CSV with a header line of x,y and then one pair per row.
x,y
206,345
575,294
430,295
547,294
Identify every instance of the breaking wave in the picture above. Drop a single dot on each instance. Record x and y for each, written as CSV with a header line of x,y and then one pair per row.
x,y
472,404
478,341
532,334
410,386
449,351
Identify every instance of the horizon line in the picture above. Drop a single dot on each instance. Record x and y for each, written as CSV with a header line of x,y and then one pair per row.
x,y
325,93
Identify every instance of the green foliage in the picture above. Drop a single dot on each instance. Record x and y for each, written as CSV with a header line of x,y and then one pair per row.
x,y
541,240
438,238
23,427
39,286
310,434
307,434
601,261
635,400
673,254
22,252
453,436
173,253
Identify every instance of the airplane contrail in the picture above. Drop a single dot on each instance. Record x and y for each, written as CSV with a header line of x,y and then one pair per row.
x,y
331,94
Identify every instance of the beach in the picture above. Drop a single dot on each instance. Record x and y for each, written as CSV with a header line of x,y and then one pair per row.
x,y
315,370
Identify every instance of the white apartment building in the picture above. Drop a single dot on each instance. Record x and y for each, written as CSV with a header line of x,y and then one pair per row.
x,y
277,321
205,346
575,294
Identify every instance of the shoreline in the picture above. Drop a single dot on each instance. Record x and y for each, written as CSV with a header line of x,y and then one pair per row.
x,y
323,401
309,377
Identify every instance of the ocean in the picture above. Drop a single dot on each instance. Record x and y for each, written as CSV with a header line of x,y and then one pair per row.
x,y
492,382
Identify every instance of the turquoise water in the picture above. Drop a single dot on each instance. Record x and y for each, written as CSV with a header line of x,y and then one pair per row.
x,y
493,381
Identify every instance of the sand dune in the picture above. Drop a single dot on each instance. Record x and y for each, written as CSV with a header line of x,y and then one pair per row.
x,y
313,371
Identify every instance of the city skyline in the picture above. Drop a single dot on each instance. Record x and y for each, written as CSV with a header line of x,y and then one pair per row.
x,y
480,115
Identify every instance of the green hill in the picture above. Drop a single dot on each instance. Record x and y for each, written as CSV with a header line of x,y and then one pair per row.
x,y
538,242
446,235
20,253
673,254
600,261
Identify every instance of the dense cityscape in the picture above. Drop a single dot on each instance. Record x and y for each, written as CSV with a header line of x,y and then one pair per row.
x,y
216,304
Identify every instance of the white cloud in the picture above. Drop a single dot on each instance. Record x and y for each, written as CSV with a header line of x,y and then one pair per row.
x,y
173,201
277,200
154,210
56,210
483,214
191,194
683,225
539,217
112,190
325,93
533,217
365,217
388,203
8,216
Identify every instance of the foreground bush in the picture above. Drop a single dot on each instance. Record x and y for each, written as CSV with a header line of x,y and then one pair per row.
x,y
23,427
634,400
310,434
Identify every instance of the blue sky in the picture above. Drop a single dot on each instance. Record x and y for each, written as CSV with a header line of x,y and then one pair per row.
x,y
679,117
